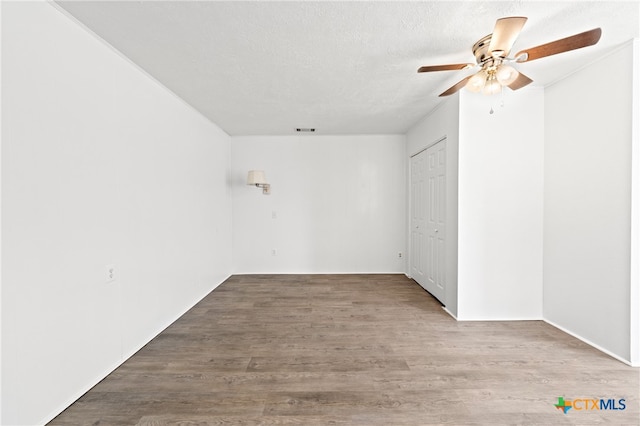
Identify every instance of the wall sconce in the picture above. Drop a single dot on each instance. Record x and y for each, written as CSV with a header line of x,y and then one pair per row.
x,y
257,178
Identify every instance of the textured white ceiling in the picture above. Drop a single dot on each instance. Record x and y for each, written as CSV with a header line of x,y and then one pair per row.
x,y
342,67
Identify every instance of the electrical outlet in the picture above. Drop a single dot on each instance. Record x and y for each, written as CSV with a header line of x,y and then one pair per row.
x,y
274,215
111,273
399,254
274,252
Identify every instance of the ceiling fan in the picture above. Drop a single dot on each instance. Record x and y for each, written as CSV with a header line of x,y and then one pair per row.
x,y
492,56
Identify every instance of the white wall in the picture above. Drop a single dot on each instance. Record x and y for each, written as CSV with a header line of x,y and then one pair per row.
x,y
442,122
500,206
100,165
0,215
339,203
494,202
634,293
588,202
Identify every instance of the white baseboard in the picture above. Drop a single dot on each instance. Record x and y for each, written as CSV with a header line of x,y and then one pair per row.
x,y
506,319
153,335
73,398
111,368
444,308
322,273
590,343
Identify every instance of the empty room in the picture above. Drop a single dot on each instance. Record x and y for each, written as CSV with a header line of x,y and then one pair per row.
x,y
319,212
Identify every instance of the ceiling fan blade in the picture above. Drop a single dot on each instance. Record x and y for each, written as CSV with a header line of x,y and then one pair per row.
x,y
453,89
520,82
505,34
451,67
578,41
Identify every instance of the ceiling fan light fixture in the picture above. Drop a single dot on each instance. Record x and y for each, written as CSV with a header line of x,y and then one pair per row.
x,y
476,82
491,87
492,55
506,74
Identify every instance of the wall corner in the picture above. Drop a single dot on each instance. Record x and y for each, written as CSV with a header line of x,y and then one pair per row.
x,y
634,290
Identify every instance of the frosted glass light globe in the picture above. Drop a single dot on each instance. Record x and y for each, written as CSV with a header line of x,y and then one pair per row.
x,y
476,82
506,75
491,87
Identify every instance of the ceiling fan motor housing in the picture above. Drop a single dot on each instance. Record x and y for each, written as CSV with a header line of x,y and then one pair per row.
x,y
481,49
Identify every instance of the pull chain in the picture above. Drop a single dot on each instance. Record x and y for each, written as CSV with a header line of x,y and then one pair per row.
x,y
491,111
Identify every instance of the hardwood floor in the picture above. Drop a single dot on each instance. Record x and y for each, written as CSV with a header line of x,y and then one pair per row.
x,y
352,350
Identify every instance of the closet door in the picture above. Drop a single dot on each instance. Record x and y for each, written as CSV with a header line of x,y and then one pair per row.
x,y
428,227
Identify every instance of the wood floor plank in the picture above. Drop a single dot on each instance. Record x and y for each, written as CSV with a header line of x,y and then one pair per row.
x,y
417,404
343,363
352,350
